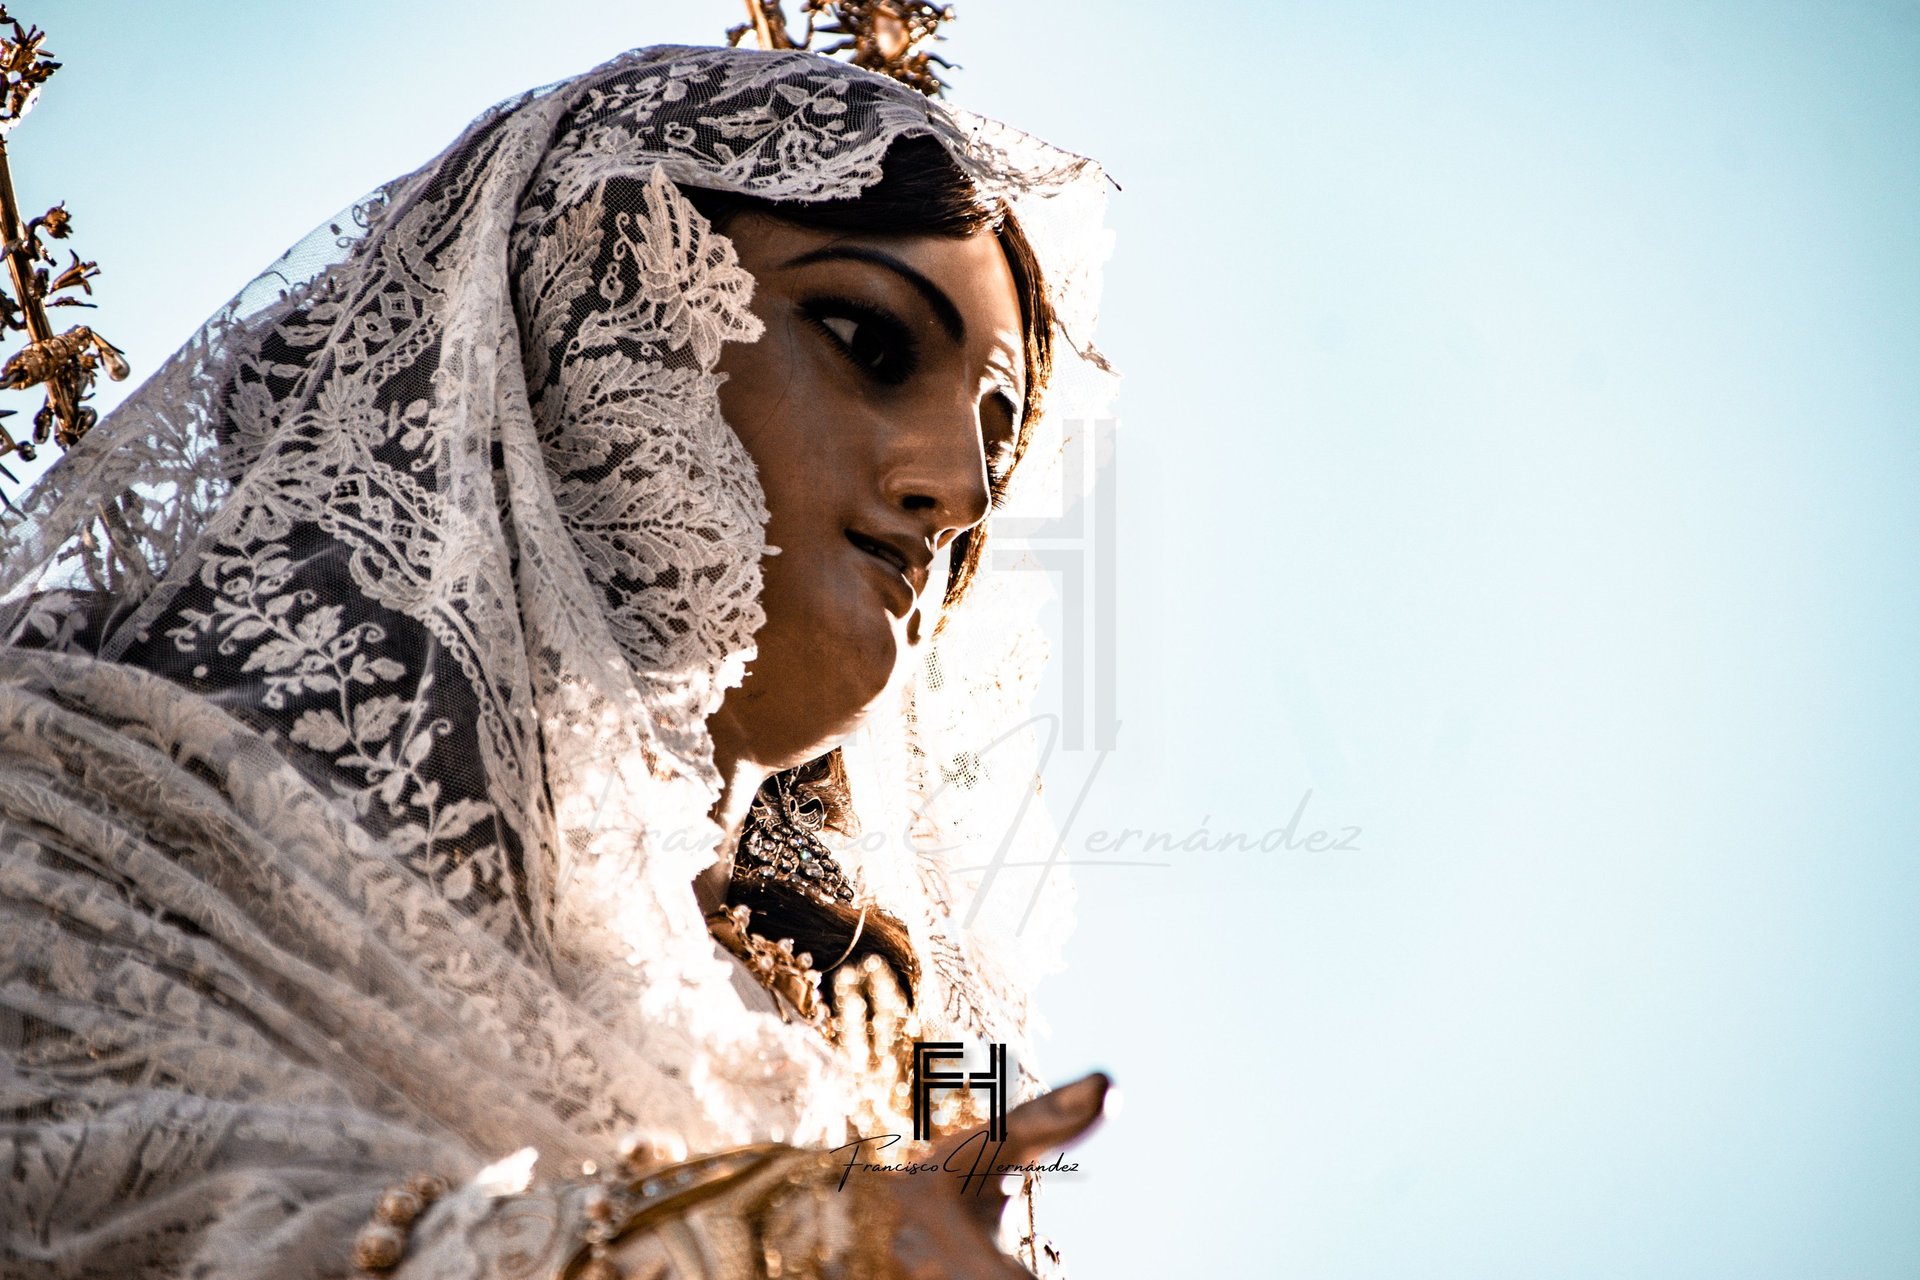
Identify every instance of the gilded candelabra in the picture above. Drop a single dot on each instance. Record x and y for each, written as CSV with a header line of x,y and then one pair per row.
x,y
880,35
66,363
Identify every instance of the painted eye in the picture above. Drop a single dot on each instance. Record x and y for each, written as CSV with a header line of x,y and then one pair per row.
x,y
874,341
1001,434
1000,458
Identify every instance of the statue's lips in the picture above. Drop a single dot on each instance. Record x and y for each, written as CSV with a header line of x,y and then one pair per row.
x,y
905,567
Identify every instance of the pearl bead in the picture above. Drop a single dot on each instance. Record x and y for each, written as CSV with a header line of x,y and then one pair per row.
x,y
378,1247
399,1207
642,1150
428,1187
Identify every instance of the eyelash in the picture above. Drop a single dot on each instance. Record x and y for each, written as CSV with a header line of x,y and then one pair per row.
x,y
1000,462
900,352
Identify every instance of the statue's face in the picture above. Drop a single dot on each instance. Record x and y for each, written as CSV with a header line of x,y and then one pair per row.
x,y
889,380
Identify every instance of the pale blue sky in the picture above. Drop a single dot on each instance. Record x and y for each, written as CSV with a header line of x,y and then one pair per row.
x,y
1517,452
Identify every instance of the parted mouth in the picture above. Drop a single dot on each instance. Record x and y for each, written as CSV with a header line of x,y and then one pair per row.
x,y
907,555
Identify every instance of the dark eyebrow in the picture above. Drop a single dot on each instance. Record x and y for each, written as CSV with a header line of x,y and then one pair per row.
x,y
943,309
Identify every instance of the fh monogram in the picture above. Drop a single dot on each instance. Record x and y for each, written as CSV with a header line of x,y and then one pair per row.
x,y
926,1079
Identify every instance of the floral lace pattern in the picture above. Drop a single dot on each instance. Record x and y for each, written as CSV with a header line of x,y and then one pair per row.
x,y
417,574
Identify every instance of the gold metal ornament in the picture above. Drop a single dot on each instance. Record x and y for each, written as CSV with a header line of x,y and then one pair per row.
x,y
65,364
879,35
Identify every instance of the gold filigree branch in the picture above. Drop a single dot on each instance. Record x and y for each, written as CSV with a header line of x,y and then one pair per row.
x,y
65,364
24,67
880,35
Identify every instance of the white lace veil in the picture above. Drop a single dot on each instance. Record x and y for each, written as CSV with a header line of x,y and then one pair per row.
x,y
480,581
